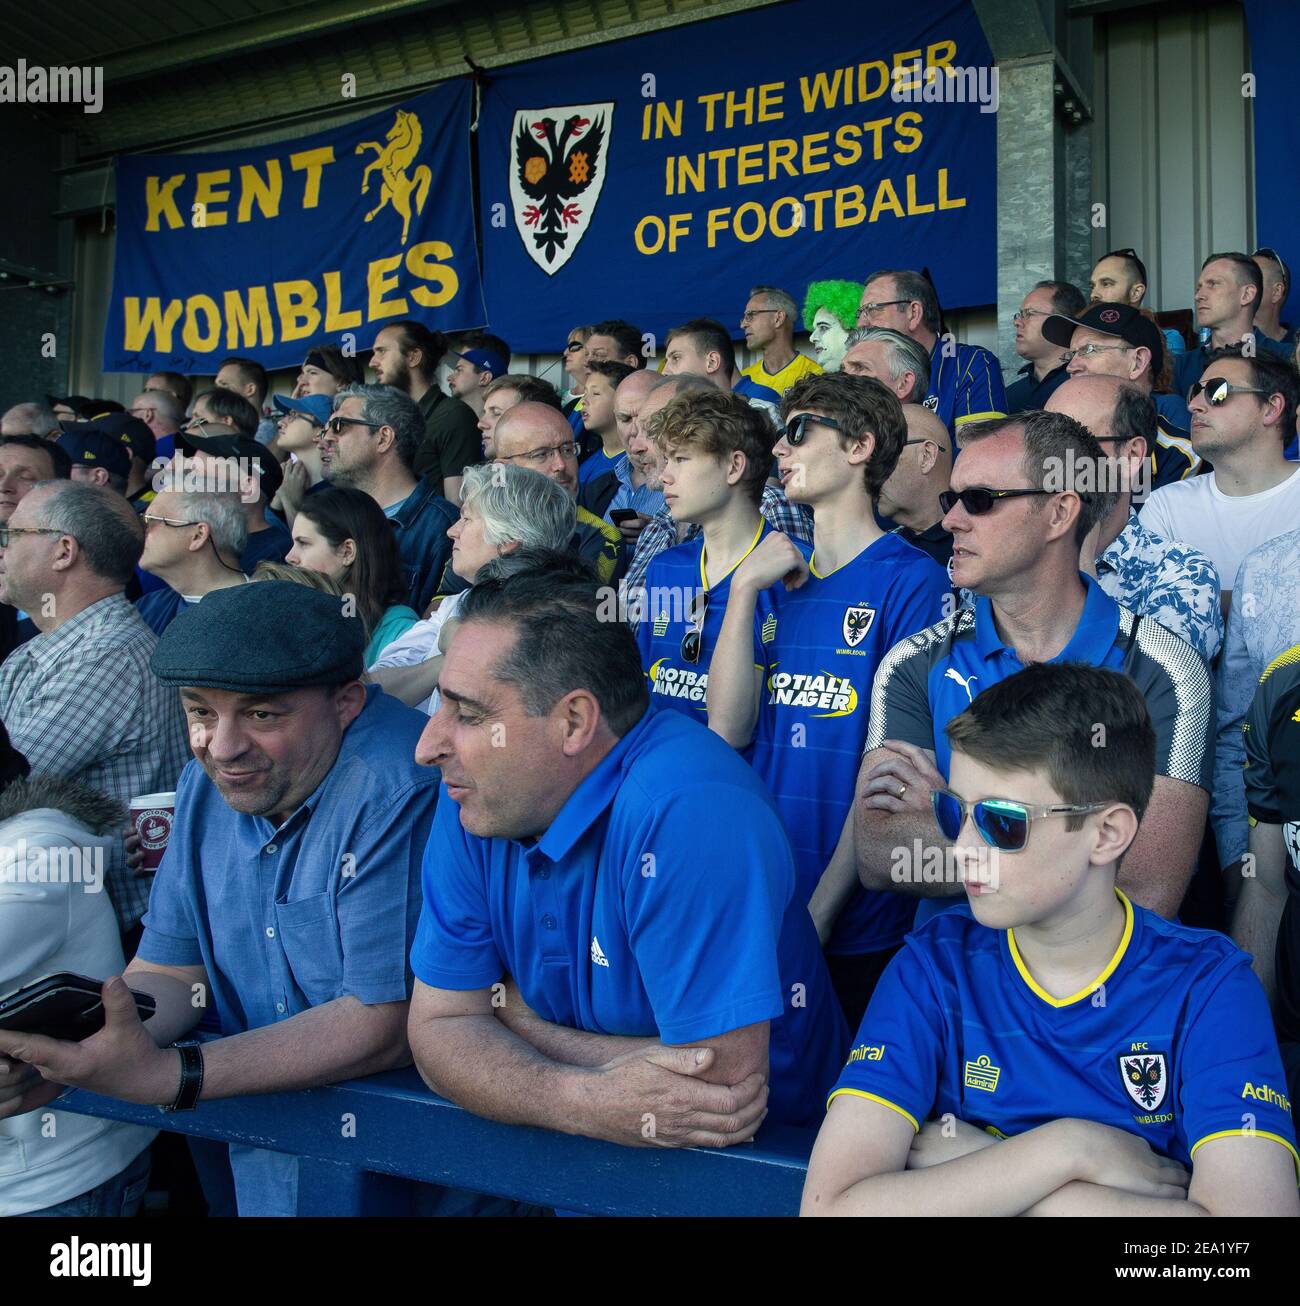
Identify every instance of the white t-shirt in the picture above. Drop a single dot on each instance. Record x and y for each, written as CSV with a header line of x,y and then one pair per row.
x,y
419,644
46,928
1224,527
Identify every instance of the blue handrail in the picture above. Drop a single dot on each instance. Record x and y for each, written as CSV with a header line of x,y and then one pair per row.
x,y
350,1136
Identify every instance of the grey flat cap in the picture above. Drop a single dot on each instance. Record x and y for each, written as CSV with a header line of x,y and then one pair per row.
x,y
269,637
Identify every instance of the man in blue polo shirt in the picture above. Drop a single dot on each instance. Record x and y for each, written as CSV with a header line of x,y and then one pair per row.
x,y
965,380
792,673
610,943
287,895
1016,545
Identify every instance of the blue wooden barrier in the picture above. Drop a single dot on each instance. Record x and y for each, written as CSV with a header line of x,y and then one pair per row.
x,y
352,1136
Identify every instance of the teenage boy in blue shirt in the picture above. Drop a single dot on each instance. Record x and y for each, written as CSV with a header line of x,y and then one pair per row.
x,y
794,665
1051,1048
717,453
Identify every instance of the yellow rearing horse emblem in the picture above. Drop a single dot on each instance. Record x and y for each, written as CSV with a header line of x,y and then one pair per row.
x,y
392,160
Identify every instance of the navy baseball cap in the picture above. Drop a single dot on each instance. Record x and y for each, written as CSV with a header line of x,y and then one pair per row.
x,y
243,447
317,407
88,446
486,360
1122,321
126,428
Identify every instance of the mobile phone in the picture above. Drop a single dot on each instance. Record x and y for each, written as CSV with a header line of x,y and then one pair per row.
x,y
621,516
63,1006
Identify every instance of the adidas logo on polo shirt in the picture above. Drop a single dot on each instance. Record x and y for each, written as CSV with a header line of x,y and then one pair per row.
x,y
598,957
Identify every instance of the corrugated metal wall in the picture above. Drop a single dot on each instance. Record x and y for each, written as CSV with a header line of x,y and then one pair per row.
x,y
1173,154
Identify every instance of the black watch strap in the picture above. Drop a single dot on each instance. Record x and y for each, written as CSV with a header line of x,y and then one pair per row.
x,y
187,1095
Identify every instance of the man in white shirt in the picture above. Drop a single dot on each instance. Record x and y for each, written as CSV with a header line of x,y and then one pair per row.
x,y
1243,413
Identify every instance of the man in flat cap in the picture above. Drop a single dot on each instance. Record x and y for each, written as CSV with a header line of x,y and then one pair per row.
x,y
289,892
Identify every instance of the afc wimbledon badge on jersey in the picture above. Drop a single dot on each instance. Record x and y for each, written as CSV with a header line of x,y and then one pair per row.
x,y
1146,1078
557,170
857,621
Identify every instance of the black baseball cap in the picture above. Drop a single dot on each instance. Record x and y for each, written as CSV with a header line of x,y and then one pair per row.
x,y
88,446
1122,321
125,427
243,447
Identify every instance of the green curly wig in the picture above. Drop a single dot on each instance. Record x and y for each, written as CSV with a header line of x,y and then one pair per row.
x,y
839,297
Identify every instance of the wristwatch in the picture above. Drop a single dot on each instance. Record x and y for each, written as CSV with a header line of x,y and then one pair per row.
x,y
187,1095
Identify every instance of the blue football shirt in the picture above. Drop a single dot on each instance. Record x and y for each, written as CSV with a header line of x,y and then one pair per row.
x,y
1172,1042
965,384
818,647
675,580
659,902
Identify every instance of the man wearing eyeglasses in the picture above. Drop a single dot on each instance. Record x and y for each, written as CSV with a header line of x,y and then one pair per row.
x,y
1044,367
1162,579
192,541
371,442
1016,545
79,700
965,380
539,438
1277,286
1243,413
792,677
1120,341
1228,294
910,497
768,323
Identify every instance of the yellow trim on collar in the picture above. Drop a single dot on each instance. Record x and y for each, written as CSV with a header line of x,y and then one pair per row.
x,y
975,417
1038,990
871,1097
753,544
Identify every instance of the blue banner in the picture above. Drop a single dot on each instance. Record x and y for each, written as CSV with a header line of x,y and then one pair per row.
x,y
660,178
1274,31
266,251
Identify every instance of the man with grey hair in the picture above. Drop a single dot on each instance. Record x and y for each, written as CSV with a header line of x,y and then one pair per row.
x,y
1044,360
193,541
893,359
371,443
79,700
768,323
163,414
506,511
30,419
965,380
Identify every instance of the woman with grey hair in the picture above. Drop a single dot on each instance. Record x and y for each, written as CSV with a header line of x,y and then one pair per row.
x,y
503,509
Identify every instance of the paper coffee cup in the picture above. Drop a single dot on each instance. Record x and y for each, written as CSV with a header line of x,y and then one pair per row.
x,y
151,814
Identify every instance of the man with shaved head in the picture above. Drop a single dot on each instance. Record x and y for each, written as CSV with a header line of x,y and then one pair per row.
x,y
634,494
30,419
1169,582
79,700
910,497
540,438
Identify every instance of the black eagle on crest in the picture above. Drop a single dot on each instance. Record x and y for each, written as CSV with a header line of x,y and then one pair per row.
x,y
554,172
1145,1076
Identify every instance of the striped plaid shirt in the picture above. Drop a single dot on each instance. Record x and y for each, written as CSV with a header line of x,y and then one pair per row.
x,y
81,702
660,532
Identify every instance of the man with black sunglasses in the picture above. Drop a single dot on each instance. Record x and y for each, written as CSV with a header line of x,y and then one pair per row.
x,y
1243,413
791,676
1016,545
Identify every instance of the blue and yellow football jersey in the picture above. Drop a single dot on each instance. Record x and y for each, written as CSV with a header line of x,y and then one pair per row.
x,y
756,382
675,580
818,647
1172,1042
965,384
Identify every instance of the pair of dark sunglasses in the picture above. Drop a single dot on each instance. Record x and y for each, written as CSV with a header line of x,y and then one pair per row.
x,y
978,500
693,640
1218,391
796,430
1003,823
